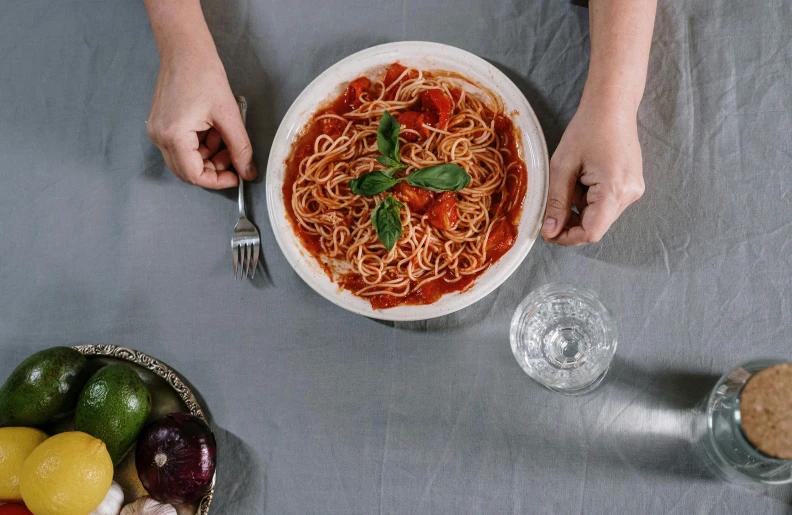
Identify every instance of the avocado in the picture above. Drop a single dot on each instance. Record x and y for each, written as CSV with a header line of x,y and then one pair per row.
x,y
113,407
43,388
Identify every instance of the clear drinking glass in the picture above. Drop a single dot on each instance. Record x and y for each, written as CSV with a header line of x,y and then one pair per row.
x,y
722,443
564,338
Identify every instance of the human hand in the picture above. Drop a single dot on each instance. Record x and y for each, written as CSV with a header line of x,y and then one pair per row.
x,y
195,119
598,169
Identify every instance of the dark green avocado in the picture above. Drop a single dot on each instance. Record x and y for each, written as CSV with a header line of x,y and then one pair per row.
x,y
43,388
113,407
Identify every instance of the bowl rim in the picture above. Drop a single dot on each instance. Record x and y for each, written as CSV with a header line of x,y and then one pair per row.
x,y
305,105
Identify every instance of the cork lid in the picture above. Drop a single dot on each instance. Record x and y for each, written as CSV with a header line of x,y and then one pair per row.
x,y
766,411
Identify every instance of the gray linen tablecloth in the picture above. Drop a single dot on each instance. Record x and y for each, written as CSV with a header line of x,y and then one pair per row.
x,y
320,411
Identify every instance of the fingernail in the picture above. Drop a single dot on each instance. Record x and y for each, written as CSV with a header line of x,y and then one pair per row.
x,y
549,225
251,171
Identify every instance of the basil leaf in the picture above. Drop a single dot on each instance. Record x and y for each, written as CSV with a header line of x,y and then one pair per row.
x,y
387,161
388,137
447,177
371,183
387,222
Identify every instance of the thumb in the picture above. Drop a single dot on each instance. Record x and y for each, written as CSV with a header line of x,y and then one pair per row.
x,y
559,198
229,124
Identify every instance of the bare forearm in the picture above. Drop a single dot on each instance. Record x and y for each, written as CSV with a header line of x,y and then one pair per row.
x,y
596,171
621,35
179,28
194,119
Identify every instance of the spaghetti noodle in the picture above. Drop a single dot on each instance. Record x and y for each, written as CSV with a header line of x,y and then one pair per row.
x,y
448,238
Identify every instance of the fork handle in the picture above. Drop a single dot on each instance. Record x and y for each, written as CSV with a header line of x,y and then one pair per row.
x,y
242,103
241,198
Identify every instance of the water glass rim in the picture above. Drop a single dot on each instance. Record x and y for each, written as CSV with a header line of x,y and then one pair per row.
x,y
561,290
587,300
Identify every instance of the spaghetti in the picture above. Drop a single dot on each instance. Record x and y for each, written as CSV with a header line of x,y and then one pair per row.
x,y
448,238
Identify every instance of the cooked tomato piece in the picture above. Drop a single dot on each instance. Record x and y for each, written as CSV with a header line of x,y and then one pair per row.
x,y
360,84
393,73
417,122
443,212
430,120
355,89
417,199
391,76
502,123
435,101
351,98
332,127
501,239
411,120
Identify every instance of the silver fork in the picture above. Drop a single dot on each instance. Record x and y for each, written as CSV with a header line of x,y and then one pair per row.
x,y
245,242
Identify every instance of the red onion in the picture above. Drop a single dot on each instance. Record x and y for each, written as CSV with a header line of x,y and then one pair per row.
x,y
176,457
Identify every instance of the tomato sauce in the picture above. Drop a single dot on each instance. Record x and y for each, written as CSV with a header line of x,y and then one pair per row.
x,y
502,236
428,293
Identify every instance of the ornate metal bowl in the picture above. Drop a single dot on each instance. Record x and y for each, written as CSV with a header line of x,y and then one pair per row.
x,y
169,394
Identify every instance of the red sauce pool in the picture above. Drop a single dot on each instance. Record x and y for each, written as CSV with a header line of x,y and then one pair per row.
x,y
501,239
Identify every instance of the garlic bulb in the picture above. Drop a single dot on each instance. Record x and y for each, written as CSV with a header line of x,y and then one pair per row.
x,y
148,506
112,502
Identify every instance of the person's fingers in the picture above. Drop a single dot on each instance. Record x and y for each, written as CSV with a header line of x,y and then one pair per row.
x,y
221,160
570,237
563,176
211,144
595,220
579,197
205,153
228,123
216,179
213,141
574,219
185,161
217,172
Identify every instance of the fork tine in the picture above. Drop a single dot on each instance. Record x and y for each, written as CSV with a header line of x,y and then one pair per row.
x,y
248,249
235,248
256,247
241,260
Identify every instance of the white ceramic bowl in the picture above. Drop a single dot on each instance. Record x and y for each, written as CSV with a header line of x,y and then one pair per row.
x,y
425,56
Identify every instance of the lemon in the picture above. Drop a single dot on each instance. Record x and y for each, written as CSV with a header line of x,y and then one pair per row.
x,y
68,474
16,444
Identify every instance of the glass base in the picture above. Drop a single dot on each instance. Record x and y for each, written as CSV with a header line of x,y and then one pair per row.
x,y
564,338
581,390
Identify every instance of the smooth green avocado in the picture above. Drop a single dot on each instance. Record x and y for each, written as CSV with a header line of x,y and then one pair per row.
x,y
43,388
113,407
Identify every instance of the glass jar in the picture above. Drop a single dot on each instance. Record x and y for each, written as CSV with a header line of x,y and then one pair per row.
x,y
723,444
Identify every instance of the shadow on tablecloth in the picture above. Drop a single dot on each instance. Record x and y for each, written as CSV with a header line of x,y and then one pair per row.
x,y
240,480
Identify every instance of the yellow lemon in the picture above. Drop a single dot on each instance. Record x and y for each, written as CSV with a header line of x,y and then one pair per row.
x,y
16,444
68,474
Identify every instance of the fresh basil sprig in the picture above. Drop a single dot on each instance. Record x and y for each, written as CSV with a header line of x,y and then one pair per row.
x,y
385,216
372,183
387,221
388,143
447,177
